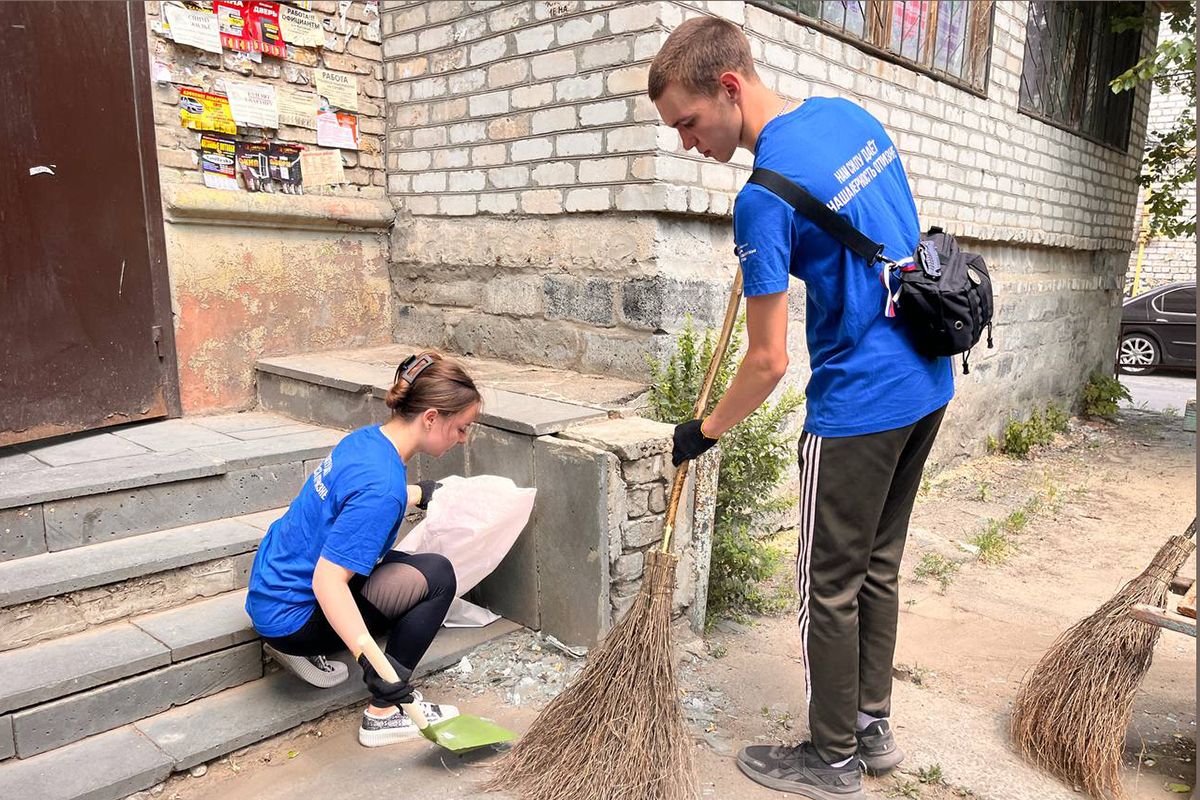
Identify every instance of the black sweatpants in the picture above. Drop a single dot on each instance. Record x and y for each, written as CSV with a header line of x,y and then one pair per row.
x,y
406,596
856,497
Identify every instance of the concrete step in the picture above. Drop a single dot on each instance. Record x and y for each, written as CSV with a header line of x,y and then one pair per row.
x,y
52,595
135,757
98,487
51,670
346,389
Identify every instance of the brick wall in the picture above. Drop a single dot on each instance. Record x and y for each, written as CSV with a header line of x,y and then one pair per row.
x,y
526,163
1166,260
267,274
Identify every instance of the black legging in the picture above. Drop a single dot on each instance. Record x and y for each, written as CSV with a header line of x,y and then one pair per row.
x,y
406,596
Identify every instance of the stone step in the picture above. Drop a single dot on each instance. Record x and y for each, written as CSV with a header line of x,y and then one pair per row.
x,y
47,671
346,389
53,574
98,487
135,757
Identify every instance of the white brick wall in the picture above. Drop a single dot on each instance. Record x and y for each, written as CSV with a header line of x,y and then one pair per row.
x,y
1165,260
530,77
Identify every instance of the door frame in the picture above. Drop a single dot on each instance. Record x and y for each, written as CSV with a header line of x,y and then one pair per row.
x,y
160,279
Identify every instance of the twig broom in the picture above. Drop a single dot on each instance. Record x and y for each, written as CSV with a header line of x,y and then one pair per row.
x,y
617,733
1073,709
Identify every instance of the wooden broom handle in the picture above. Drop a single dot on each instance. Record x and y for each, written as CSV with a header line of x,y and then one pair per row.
x,y
731,311
370,648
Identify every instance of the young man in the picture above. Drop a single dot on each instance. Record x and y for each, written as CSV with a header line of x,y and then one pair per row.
x,y
873,403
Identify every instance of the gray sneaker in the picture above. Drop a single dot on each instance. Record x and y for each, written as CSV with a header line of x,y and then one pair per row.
x,y
315,670
877,748
801,771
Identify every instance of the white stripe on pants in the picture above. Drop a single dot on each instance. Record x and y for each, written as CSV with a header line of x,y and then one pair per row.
x,y
809,469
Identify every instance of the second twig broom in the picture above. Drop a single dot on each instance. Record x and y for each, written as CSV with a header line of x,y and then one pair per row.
x,y
617,733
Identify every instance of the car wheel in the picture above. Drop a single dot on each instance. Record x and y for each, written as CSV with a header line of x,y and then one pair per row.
x,y
1139,354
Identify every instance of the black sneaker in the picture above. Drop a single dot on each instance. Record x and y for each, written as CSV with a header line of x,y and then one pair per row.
x,y
801,771
877,748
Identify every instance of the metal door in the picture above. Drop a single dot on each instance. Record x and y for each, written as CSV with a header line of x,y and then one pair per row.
x,y
85,324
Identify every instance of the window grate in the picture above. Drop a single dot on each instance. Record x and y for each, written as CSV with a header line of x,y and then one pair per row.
x,y
948,39
1071,56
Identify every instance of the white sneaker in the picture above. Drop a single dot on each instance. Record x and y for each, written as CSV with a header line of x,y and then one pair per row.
x,y
315,670
379,731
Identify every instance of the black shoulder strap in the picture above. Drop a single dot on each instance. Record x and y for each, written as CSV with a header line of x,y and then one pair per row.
x,y
832,223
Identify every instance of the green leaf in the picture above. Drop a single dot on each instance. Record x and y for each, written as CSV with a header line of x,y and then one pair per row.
x,y
1178,788
293,753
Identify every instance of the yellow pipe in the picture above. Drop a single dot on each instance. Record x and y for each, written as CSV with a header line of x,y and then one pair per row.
x,y
1143,235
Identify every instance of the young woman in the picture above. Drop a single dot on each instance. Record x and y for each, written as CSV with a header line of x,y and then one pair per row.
x,y
325,572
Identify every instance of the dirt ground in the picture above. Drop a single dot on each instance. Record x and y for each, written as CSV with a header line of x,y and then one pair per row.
x,y
1079,519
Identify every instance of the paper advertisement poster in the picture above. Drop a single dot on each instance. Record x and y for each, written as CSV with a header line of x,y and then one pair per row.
x,y
335,129
264,18
217,159
297,107
204,111
339,88
253,104
237,32
300,27
253,166
285,167
194,28
322,167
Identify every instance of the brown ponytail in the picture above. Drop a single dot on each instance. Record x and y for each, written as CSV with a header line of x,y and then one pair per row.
x,y
443,385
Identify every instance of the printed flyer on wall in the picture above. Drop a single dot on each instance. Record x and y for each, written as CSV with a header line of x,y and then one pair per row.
x,y
285,167
205,111
253,166
217,158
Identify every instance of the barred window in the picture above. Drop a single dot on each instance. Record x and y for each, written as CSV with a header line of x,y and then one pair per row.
x,y
947,39
1071,55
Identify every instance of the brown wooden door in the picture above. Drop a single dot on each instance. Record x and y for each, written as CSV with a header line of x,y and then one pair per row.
x,y
85,327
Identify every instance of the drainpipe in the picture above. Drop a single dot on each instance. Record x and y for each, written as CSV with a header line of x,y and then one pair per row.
x,y
1143,236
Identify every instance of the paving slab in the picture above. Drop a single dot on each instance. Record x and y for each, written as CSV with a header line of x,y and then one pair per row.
x,y
61,722
13,461
171,436
199,628
209,728
267,433
22,532
55,483
243,421
52,574
294,447
263,519
534,416
8,747
80,449
324,369
60,667
105,767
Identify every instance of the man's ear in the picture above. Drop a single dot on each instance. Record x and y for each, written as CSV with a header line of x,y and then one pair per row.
x,y
731,85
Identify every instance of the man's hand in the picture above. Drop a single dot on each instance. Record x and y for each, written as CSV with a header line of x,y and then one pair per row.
x,y
690,442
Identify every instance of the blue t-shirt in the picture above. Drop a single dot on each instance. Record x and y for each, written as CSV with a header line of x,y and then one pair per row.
x,y
348,512
866,375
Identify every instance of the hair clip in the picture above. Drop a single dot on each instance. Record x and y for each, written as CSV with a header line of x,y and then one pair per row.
x,y
412,367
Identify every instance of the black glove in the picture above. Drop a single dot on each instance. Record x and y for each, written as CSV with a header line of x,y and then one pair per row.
x,y
384,692
690,442
427,489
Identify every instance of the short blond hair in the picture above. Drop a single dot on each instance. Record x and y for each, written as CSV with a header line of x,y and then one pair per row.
x,y
697,53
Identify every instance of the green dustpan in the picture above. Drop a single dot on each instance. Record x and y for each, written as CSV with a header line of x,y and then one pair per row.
x,y
458,734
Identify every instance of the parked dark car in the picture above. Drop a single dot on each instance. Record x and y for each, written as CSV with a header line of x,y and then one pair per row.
x,y
1158,329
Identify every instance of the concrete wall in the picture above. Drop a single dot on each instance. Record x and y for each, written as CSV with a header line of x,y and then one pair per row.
x,y
263,274
1166,260
527,164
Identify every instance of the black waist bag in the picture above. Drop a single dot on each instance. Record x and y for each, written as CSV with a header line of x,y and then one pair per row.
x,y
944,294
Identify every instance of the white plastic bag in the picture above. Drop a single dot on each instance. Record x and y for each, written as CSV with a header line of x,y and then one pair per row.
x,y
473,522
